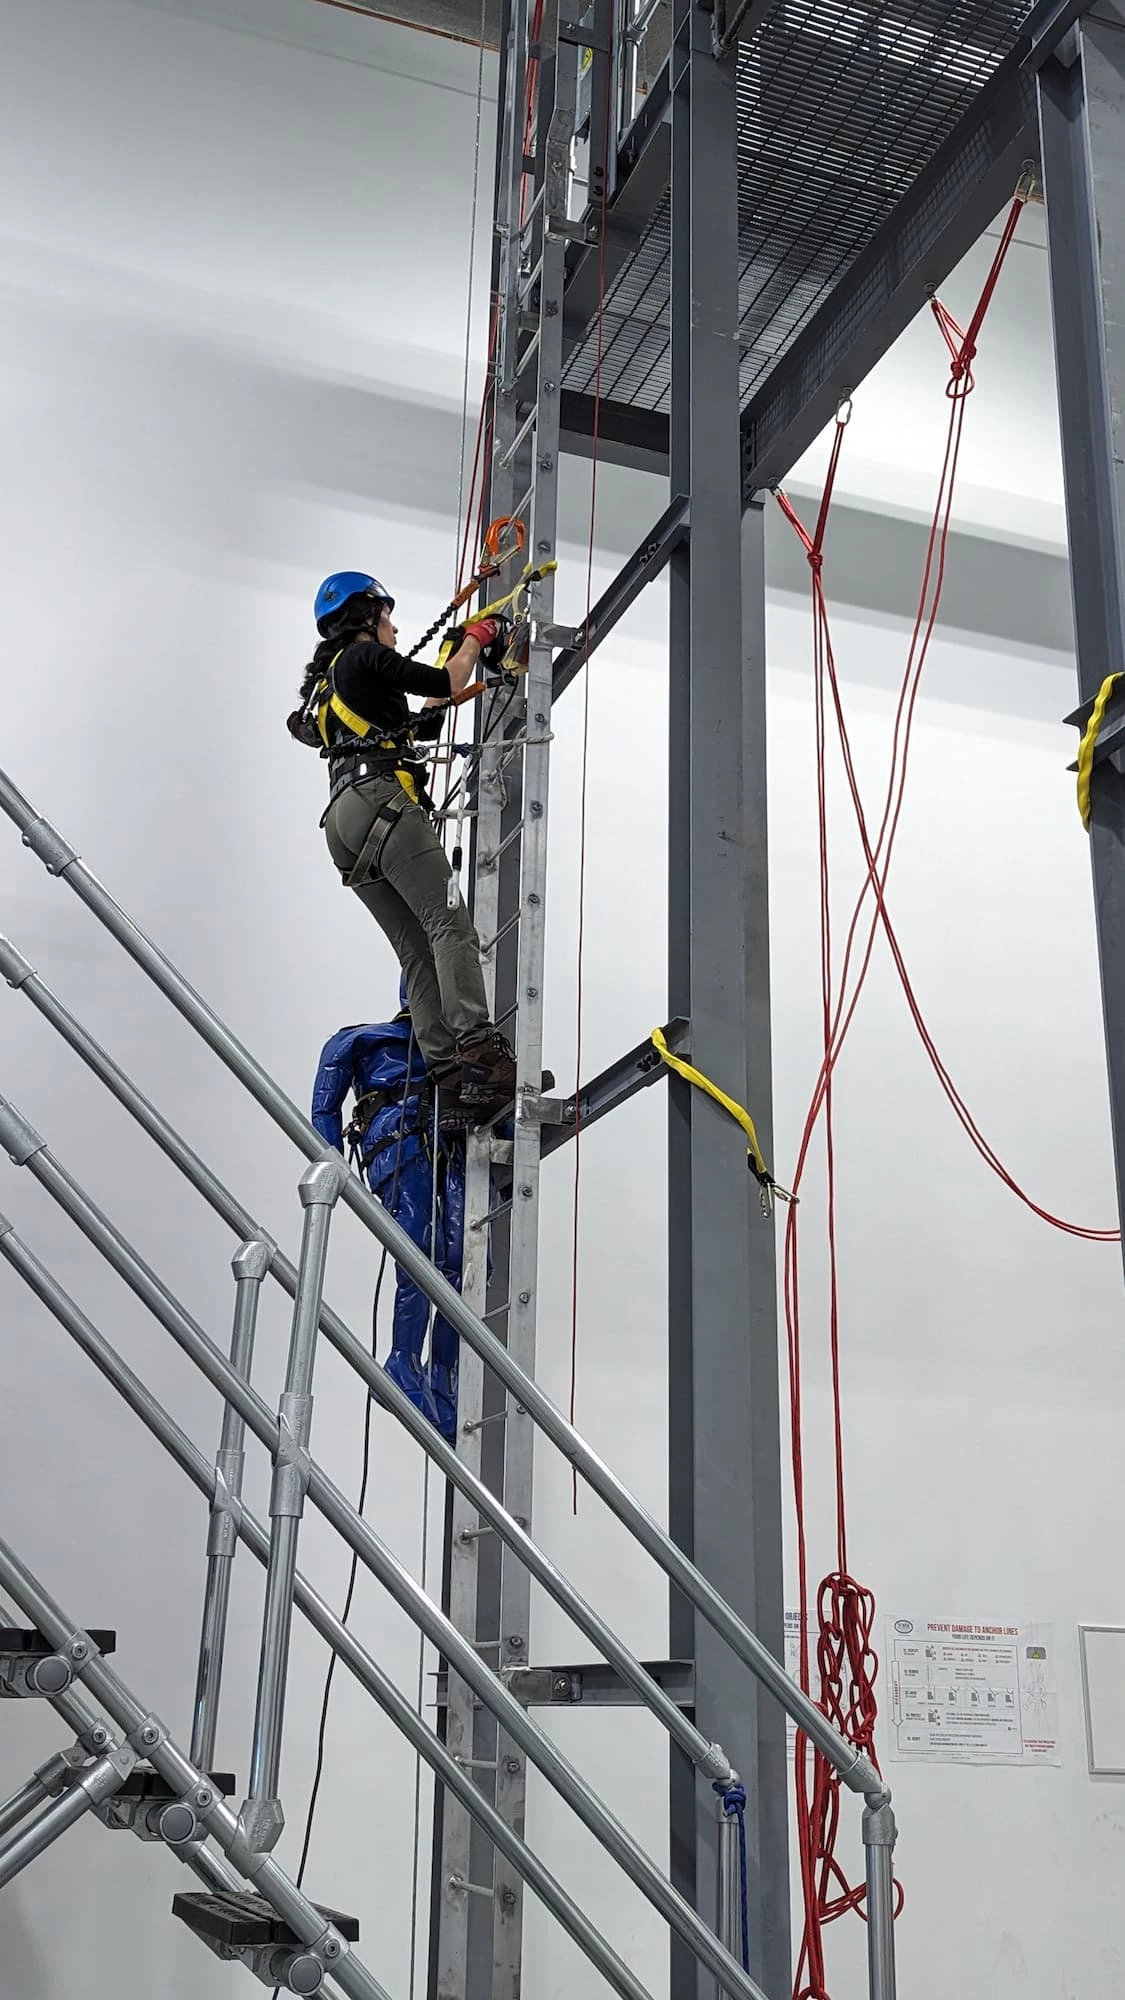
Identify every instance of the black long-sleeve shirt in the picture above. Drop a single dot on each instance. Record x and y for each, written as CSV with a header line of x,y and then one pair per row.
x,y
375,681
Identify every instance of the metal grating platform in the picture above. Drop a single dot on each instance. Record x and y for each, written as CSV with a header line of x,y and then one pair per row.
x,y
842,107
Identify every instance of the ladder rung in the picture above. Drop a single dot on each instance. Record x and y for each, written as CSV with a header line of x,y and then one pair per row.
x,y
539,194
509,840
523,361
493,1215
524,431
513,920
529,281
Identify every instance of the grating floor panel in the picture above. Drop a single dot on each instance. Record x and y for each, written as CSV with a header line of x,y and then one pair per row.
x,y
842,104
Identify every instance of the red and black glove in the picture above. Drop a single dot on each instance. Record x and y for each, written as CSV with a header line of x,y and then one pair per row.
x,y
485,631
491,635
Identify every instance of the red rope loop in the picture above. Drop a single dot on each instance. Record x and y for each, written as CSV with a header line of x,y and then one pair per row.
x,y
963,345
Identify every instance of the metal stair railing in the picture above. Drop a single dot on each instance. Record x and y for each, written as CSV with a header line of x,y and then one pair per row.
x,y
855,1771
483,1503
146,1736
27,1148
348,1649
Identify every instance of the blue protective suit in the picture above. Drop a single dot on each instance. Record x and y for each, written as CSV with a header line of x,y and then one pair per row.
x,y
396,1157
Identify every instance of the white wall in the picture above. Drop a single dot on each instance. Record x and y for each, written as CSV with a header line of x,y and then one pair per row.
x,y
231,356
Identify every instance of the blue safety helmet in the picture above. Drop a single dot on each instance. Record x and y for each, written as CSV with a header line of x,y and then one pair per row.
x,y
336,591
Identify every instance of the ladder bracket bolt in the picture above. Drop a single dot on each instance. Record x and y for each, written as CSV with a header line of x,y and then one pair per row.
x,y
533,992
512,1767
525,1300
544,549
508,1898
533,899
204,1797
515,1643
526,1193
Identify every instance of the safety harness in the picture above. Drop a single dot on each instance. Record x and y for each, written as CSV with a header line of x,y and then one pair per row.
x,y
370,750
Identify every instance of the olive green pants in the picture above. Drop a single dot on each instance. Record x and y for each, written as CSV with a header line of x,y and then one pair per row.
x,y
407,893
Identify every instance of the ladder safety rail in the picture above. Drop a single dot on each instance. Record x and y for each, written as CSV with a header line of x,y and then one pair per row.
x,y
359,1662
709,1757
855,1770
26,1148
144,1732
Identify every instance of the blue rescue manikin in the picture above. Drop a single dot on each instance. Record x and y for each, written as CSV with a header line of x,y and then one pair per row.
x,y
394,1147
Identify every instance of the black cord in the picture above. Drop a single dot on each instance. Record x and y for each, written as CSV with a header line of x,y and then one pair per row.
x,y
353,1576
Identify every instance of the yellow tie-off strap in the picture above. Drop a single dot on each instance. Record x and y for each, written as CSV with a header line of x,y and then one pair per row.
x,y
736,1111
1089,739
501,604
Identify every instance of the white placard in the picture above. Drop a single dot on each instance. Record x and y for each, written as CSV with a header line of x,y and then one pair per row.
x,y
962,1692
1103,1687
793,1667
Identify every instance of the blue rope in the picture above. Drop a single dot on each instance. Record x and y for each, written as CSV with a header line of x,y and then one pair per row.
x,y
734,1806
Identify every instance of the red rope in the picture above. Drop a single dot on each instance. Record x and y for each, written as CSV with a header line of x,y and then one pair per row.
x,y
595,438
847,1665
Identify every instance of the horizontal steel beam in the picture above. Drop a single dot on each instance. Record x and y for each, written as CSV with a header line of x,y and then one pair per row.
x,y
640,568
622,1080
592,1685
626,436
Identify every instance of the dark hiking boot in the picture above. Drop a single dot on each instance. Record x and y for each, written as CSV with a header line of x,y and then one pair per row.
x,y
488,1070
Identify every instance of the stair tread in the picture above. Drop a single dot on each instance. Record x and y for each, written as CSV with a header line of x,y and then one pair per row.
x,y
24,1639
239,1918
145,1783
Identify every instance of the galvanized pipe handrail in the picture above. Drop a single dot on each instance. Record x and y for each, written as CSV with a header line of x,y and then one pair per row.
x,y
855,1770
162,1426
27,1148
709,1757
150,1739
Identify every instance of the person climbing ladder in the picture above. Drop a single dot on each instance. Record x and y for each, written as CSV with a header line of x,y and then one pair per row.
x,y
353,707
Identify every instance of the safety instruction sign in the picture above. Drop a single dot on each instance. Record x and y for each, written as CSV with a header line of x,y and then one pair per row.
x,y
793,1663
966,1693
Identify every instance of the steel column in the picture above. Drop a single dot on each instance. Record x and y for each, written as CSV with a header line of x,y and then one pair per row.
x,y
1082,119
724,1472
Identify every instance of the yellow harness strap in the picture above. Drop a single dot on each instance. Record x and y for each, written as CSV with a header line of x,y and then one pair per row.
x,y
333,704
499,604
738,1112
1089,739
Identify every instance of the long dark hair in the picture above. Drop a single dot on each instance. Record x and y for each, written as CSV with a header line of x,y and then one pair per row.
x,y
355,616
